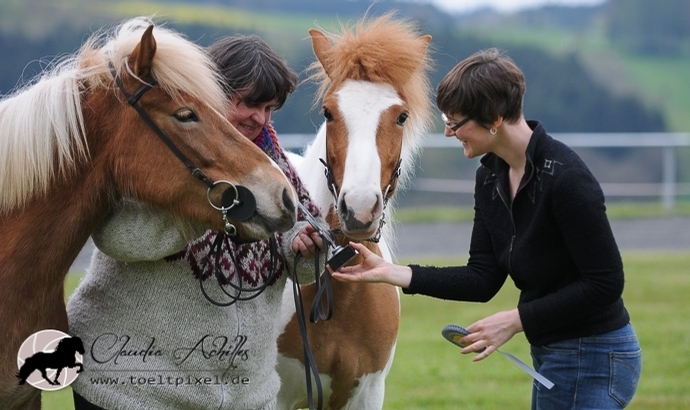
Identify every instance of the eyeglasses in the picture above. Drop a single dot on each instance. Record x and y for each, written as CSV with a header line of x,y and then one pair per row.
x,y
454,126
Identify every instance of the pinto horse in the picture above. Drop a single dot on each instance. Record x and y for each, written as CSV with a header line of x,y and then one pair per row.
x,y
113,120
376,103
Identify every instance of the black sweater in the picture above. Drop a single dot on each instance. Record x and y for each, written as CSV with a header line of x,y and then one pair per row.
x,y
554,240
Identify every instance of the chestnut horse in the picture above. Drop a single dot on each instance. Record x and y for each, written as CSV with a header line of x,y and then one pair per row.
x,y
71,145
376,103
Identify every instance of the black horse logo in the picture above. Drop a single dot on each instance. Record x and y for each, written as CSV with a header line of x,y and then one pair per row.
x,y
62,357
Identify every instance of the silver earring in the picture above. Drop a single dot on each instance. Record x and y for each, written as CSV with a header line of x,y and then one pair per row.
x,y
493,131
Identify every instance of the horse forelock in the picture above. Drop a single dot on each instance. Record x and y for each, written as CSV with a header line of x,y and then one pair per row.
x,y
179,65
383,49
42,126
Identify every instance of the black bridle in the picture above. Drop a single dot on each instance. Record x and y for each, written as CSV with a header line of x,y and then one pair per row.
x,y
387,194
236,201
228,202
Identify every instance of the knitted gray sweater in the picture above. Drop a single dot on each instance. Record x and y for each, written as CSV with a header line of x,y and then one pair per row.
x,y
153,341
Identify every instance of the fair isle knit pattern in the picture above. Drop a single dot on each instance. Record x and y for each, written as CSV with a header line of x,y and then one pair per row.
x,y
251,260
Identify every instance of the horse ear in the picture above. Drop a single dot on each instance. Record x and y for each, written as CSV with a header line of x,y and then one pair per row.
x,y
424,43
141,59
426,39
321,47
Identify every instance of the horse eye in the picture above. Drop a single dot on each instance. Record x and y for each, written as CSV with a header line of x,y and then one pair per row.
x,y
402,118
186,115
327,114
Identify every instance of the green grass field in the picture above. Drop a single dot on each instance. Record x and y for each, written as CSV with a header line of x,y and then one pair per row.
x,y
430,373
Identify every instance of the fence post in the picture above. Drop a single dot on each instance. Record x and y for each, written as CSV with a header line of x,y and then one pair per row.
x,y
668,178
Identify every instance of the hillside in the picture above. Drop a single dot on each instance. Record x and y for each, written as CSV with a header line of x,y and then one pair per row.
x,y
634,48
580,77
563,89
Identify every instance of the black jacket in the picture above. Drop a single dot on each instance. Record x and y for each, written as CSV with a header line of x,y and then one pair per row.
x,y
554,240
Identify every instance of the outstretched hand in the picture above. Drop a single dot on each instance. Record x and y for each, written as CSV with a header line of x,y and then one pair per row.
x,y
373,268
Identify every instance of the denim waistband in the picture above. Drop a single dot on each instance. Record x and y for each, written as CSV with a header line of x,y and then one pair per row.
x,y
623,335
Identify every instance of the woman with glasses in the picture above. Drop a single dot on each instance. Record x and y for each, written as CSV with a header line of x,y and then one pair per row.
x,y
539,219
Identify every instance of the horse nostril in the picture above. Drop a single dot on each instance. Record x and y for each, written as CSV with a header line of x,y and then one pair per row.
x,y
377,207
287,201
342,205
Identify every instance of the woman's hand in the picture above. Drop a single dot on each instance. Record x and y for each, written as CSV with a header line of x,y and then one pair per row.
x,y
491,333
307,242
373,268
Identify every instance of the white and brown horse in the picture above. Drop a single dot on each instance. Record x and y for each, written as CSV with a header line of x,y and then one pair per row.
x,y
90,131
376,102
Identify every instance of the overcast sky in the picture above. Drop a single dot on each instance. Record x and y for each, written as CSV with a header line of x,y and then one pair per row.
x,y
506,5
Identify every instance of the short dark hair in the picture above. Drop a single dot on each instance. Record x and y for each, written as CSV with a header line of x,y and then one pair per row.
x,y
483,86
249,65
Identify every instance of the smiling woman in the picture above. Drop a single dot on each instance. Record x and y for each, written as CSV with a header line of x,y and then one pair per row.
x,y
539,219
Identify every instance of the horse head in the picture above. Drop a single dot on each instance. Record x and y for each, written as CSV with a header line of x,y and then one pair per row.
x,y
374,92
175,84
70,344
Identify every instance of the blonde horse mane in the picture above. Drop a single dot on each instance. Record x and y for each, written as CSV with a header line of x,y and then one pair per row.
x,y
42,127
383,50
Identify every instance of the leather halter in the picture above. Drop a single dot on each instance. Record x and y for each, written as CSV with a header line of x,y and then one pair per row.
x,y
387,194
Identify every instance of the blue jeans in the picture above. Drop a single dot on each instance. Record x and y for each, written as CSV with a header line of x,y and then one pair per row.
x,y
590,373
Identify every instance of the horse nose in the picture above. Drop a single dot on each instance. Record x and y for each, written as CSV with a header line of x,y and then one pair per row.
x,y
355,222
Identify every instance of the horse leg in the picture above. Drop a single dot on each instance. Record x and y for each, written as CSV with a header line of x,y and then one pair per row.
x,y
342,389
45,376
57,382
369,394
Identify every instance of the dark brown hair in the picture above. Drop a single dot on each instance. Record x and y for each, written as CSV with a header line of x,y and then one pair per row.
x,y
249,65
483,86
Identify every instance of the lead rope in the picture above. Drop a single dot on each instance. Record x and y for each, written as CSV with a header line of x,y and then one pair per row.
x,y
217,247
317,312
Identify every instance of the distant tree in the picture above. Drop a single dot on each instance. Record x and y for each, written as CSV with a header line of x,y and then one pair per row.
x,y
560,91
660,27
24,58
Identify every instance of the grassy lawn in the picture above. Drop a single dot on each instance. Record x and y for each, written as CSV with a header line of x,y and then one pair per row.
x,y
430,373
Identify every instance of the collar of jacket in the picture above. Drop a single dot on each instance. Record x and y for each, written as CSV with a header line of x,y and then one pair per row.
x,y
500,168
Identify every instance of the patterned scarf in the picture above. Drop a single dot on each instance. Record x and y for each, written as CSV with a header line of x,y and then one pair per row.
x,y
251,260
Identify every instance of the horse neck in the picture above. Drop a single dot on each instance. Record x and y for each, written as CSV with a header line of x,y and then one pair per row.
x,y
40,242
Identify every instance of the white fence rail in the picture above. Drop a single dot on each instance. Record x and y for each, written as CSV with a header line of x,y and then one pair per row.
x,y
666,190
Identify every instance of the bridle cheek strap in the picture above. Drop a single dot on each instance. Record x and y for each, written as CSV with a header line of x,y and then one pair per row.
x,y
228,203
133,100
387,194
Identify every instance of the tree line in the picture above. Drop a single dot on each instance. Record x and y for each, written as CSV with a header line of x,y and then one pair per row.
x,y
560,91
